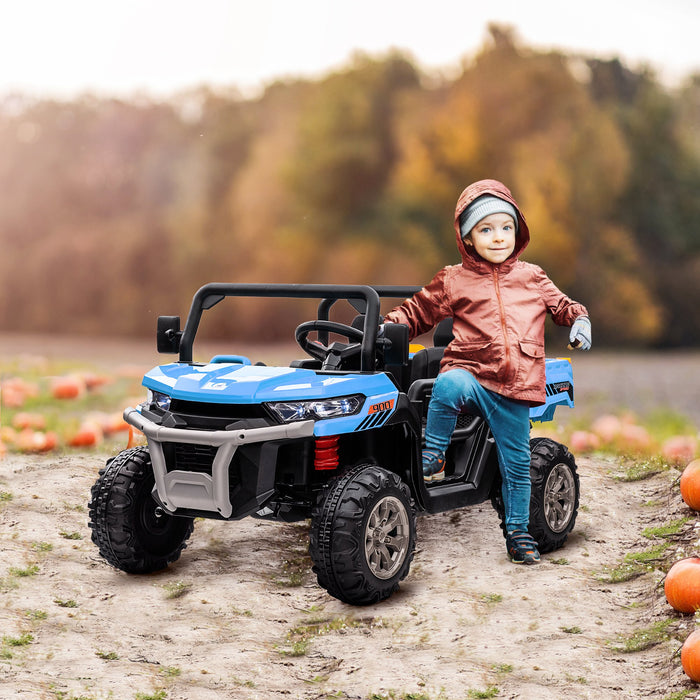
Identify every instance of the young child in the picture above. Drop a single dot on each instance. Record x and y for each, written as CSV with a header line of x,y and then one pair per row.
x,y
494,367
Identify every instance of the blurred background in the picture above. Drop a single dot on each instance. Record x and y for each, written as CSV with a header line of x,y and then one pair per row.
x,y
149,147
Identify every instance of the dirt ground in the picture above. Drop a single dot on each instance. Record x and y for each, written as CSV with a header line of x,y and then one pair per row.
x,y
241,616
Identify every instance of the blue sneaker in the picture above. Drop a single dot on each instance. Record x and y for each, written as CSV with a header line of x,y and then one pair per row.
x,y
433,465
522,548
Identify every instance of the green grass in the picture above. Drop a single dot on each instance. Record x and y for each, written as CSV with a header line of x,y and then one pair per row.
x,y
644,638
36,614
107,655
490,692
157,695
26,572
635,564
643,469
176,589
42,547
10,643
299,638
674,527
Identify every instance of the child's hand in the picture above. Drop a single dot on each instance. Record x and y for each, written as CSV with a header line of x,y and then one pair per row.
x,y
580,335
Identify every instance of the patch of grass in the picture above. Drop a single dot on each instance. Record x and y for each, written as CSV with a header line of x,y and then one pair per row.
x,y
572,630
171,671
394,695
65,603
42,546
107,655
490,692
491,598
9,643
30,570
644,469
621,573
36,614
70,535
562,561
644,638
5,497
634,564
21,641
157,695
300,637
679,694
502,668
648,556
668,530
665,423
176,589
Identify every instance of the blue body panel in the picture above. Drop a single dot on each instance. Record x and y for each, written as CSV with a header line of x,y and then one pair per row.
x,y
236,383
239,382
559,387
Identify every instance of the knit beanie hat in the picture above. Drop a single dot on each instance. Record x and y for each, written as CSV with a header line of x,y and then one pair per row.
x,y
484,206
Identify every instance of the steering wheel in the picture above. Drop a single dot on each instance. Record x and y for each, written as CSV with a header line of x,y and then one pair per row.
x,y
332,355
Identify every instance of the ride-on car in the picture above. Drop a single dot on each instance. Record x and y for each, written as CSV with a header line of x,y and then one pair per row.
x,y
335,438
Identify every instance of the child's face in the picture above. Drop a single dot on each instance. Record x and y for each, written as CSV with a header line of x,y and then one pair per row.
x,y
493,238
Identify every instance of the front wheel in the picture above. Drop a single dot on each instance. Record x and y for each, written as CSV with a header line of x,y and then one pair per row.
x,y
554,497
132,532
363,535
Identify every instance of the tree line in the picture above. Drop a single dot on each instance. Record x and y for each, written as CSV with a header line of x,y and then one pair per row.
x,y
115,211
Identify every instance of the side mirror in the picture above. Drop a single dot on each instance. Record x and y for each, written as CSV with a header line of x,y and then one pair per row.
x,y
168,334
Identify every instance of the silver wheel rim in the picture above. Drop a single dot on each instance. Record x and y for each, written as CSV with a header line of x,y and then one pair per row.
x,y
387,537
559,497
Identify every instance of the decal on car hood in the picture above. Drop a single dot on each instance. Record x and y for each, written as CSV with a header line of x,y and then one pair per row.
x,y
236,383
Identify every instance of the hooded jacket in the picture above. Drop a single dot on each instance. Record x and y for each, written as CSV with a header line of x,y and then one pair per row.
x,y
498,311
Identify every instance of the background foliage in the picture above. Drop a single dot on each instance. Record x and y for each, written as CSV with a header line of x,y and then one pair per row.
x,y
113,212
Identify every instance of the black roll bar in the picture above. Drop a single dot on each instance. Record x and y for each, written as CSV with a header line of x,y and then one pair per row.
x,y
211,294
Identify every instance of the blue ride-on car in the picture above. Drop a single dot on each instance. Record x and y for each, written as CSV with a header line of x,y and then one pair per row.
x,y
334,438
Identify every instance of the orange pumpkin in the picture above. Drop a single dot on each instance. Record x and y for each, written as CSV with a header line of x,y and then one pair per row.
x,y
69,387
690,656
87,435
682,585
690,484
24,420
35,441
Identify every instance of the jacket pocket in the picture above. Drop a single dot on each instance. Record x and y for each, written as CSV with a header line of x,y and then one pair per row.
x,y
470,347
532,348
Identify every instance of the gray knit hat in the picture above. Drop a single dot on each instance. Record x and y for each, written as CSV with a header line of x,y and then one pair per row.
x,y
484,206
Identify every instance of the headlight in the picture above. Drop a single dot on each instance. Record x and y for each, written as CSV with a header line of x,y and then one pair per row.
x,y
318,409
156,399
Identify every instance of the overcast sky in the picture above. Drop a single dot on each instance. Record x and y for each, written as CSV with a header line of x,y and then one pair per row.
x,y
61,48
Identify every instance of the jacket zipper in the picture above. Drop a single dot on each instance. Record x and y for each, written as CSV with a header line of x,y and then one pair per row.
x,y
504,327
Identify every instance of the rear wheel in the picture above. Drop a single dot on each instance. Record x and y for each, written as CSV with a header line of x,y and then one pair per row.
x,y
363,534
132,532
555,493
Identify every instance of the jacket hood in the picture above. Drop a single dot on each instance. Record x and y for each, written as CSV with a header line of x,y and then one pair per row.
x,y
497,189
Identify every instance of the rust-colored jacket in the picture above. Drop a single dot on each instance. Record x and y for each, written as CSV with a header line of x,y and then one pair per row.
x,y
498,311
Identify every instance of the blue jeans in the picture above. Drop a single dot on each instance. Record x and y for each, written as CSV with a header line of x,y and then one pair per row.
x,y
509,420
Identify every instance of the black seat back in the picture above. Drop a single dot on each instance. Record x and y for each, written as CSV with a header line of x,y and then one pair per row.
x,y
426,363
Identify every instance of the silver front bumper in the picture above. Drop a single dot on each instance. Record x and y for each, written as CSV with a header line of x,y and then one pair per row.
x,y
196,490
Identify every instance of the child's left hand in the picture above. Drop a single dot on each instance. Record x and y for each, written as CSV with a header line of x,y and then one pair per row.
x,y
580,335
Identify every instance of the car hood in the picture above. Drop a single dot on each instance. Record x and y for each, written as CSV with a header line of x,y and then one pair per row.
x,y
236,383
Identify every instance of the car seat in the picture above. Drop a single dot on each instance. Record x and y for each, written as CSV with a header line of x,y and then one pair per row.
x,y
425,364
